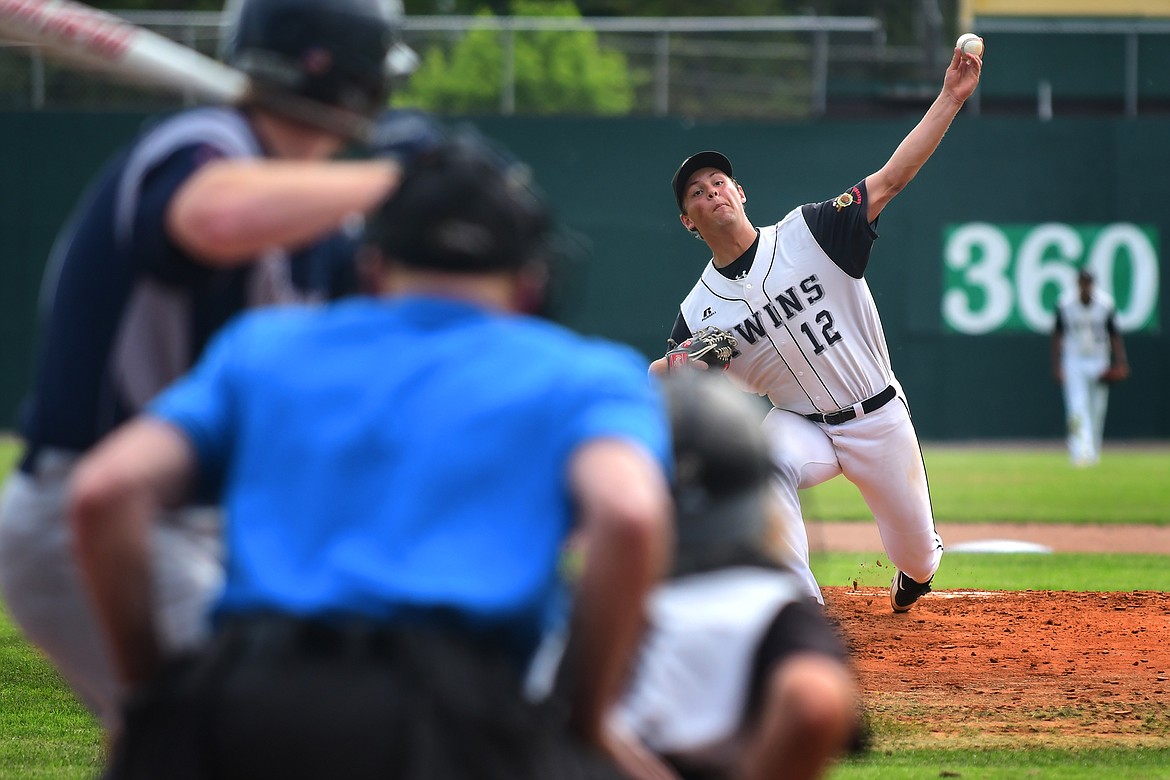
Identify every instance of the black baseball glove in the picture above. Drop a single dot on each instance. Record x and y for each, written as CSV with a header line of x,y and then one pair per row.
x,y
712,346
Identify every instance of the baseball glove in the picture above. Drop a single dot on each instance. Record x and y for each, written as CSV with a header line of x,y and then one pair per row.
x,y
712,346
1114,374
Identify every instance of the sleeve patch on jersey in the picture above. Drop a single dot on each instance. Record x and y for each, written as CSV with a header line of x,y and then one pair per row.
x,y
846,199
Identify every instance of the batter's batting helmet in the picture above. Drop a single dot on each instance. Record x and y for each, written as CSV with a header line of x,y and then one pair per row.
x,y
344,53
722,469
465,207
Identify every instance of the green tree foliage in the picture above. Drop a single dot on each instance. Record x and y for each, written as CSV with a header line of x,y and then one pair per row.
x,y
556,72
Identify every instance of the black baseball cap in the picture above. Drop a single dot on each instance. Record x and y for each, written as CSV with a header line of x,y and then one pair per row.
x,y
693,163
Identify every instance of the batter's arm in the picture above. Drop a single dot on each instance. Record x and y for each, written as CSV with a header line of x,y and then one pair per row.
x,y
232,210
961,78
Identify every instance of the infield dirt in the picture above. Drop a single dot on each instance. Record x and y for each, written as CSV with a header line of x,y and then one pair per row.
x,y
1001,670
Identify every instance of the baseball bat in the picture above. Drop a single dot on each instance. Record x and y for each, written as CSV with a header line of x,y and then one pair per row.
x,y
90,39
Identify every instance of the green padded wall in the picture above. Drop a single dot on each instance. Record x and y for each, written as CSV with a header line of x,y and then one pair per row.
x,y
608,180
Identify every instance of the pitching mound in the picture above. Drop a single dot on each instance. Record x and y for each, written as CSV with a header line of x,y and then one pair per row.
x,y
981,669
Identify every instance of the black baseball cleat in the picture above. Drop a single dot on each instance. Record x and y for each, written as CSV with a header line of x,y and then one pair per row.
x,y
905,591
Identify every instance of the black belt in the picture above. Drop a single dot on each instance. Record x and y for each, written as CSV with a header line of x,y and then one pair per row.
x,y
868,406
282,636
275,635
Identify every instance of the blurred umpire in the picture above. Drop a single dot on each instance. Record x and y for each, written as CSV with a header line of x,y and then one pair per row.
x,y
208,212
741,675
401,473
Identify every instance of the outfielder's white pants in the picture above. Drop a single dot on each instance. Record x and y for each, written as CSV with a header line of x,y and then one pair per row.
x,y
41,583
880,454
1086,398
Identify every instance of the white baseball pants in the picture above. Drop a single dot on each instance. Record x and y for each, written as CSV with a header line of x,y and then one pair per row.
x,y
41,583
1085,401
880,454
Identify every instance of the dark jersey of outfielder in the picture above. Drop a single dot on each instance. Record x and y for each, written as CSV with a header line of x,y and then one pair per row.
x,y
124,311
809,334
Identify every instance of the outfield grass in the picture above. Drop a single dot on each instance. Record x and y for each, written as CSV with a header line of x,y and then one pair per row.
x,y
1007,765
45,734
9,451
44,731
1025,484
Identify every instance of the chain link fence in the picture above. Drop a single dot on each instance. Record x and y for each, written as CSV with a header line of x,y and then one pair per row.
x,y
792,67
769,67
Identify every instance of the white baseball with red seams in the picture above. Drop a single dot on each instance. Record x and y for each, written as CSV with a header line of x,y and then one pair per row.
x,y
970,43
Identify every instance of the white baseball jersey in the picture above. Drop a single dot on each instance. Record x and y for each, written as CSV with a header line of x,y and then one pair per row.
x,y
809,334
1085,328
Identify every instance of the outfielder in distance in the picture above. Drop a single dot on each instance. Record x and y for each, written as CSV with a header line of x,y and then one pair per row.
x,y
208,212
1088,355
793,296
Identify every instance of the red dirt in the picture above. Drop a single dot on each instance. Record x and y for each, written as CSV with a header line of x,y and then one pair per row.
x,y
1013,669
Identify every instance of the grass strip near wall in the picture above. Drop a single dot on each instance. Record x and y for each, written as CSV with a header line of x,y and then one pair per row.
x,y
1018,484
979,484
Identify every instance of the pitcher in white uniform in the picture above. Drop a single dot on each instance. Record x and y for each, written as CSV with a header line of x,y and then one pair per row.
x,y
1086,343
793,294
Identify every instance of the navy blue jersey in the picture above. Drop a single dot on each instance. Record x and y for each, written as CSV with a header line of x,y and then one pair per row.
x,y
125,310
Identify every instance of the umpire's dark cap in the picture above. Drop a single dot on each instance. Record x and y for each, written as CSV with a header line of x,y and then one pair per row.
x,y
722,469
464,206
693,163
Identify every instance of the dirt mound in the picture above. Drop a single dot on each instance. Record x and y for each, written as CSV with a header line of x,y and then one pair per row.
x,y
968,669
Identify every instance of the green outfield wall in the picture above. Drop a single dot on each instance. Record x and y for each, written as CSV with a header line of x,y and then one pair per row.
x,y
970,261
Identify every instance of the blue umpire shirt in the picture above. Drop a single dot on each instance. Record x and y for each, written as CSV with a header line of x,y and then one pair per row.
x,y
397,458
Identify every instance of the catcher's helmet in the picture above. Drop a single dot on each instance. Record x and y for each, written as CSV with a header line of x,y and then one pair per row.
x,y
344,53
722,469
464,206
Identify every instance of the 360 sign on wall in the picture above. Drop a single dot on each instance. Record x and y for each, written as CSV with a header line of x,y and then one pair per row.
x,y
1009,277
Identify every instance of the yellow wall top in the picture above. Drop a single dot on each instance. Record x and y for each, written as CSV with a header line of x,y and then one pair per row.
x,y
1113,8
